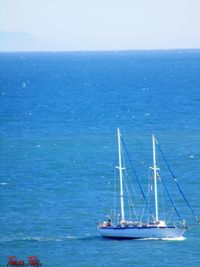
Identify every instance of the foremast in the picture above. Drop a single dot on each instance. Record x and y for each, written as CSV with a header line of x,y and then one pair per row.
x,y
120,176
155,168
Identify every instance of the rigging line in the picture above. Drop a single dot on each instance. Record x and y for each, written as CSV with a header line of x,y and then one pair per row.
x,y
161,193
129,197
130,201
170,197
163,204
170,216
136,175
114,215
129,210
148,205
148,192
180,190
126,180
130,183
129,180
142,213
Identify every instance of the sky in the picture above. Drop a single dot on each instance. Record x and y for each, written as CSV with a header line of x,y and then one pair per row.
x,y
56,25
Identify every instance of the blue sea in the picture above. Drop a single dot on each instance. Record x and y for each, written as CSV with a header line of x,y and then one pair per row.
x,y
58,151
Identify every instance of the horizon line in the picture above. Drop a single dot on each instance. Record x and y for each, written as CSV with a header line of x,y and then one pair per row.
x,y
99,50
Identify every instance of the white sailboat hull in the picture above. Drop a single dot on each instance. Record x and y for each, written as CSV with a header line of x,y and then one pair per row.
x,y
141,232
157,229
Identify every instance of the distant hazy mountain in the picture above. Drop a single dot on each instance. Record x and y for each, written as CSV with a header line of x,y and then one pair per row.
x,y
19,41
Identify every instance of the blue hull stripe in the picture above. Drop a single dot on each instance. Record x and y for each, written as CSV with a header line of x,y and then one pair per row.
x,y
127,228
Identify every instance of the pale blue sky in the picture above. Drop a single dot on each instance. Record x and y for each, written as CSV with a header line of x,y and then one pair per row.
x,y
103,24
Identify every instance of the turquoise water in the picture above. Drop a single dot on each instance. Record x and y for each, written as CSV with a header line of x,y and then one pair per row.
x,y
59,114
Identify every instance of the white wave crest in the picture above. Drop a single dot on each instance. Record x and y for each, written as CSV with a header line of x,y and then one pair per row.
x,y
181,238
36,238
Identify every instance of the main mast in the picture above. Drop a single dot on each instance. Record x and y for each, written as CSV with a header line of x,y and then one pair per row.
x,y
120,177
155,178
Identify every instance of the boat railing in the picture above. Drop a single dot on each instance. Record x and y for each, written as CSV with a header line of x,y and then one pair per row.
x,y
181,224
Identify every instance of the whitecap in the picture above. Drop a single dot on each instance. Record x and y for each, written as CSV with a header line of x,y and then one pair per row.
x,y
3,183
23,85
42,239
181,238
37,238
70,237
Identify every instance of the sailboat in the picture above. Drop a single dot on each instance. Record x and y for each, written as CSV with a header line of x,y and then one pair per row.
x,y
158,228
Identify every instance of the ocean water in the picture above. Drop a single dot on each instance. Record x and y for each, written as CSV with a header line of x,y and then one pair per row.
x,y
59,113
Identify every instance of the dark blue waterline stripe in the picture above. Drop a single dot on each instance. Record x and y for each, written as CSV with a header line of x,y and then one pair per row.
x,y
124,238
127,228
